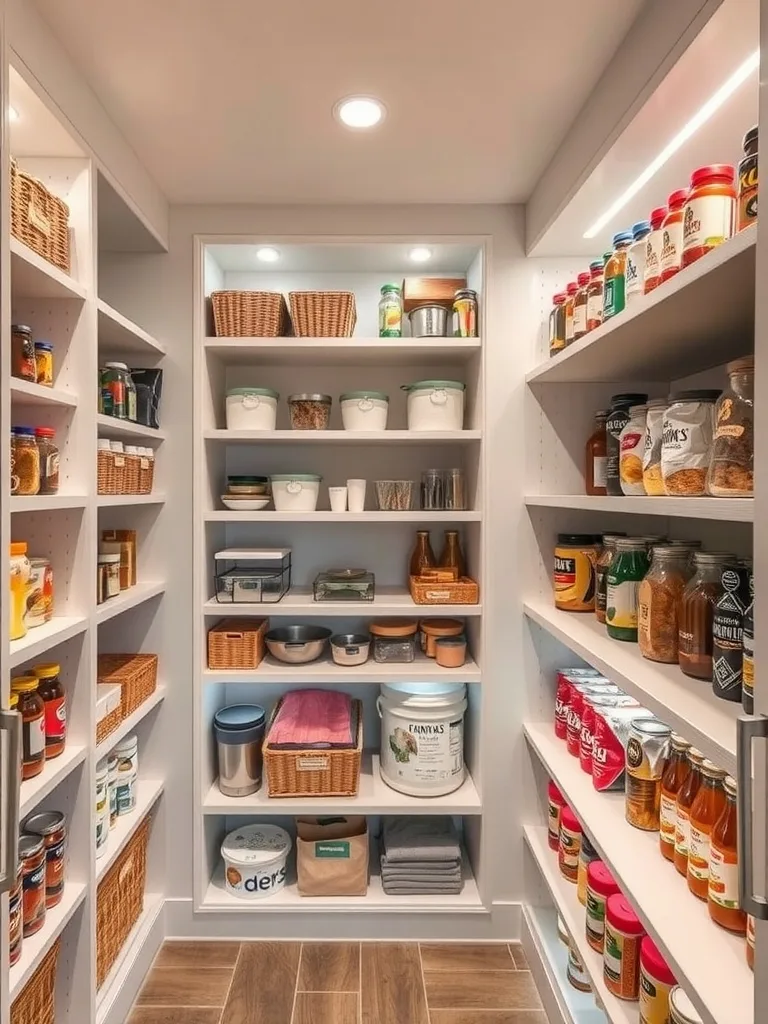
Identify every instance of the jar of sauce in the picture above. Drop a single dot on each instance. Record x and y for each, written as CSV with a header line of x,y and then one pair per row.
x,y
705,813
675,774
621,956
747,202
570,298
51,827
557,324
15,919
685,798
710,211
697,612
55,701
656,982
672,235
723,891
20,571
574,576
595,295
32,854
32,711
594,474
570,845
614,276
580,307
636,255
653,247
23,353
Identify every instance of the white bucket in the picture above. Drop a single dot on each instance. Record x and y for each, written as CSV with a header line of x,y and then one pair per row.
x,y
422,737
435,405
364,410
297,493
255,861
251,409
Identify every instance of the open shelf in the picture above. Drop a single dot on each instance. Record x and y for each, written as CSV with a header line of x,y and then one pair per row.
x,y
148,793
32,277
660,896
120,336
129,724
325,670
42,638
127,599
46,502
730,510
35,790
412,516
688,705
119,430
34,947
299,601
24,392
351,437
342,351
126,500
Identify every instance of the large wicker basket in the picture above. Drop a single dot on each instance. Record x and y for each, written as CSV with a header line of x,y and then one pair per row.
x,y
120,900
323,314
39,219
314,772
249,314
461,591
136,674
237,643
35,1002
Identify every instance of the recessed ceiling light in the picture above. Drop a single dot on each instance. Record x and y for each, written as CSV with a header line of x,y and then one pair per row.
x,y
359,111
13,114
420,254
713,104
267,254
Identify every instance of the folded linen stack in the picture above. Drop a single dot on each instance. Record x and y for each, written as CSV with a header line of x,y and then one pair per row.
x,y
420,855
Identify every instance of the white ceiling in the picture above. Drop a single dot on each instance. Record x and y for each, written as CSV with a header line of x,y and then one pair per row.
x,y
232,101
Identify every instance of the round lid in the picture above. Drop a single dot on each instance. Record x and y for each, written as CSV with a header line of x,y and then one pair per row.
x,y
680,743
24,684
441,627
18,547
600,879
572,288
117,366
712,771
611,538
311,477
635,410
555,795
750,139
654,963
731,786
21,327
680,1004
606,257
356,396
24,431
658,403
596,266
425,385
424,695
741,365
256,845
559,297
240,717
657,217
640,229
394,627
576,540
620,913
583,279
248,479
390,288
30,846
126,744
620,237
713,172
45,432
569,820
45,345
324,399
677,199
47,671
696,757
628,398
650,727
267,392
696,395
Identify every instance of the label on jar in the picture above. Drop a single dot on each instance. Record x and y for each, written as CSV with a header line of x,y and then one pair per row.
x,y
570,847
671,247
553,824
614,298
613,428
635,272
682,832
579,319
55,721
654,999
724,878
698,854
707,222
574,578
652,268
621,609
33,739
425,753
595,920
595,308
667,819
54,869
728,636
621,960
599,470
631,449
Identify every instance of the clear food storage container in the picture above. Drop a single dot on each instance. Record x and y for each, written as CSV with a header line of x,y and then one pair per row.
x,y
252,575
310,412
394,641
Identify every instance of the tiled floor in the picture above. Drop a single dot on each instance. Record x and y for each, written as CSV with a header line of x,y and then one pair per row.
x,y
338,983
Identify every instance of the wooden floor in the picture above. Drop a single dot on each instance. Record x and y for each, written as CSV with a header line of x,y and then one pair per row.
x,y
338,983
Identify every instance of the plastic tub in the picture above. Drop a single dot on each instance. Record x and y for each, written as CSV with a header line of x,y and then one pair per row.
x,y
364,410
255,860
239,733
422,737
251,409
435,404
297,492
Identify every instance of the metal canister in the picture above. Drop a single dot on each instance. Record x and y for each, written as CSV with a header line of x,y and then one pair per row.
x,y
465,313
15,919
39,608
51,827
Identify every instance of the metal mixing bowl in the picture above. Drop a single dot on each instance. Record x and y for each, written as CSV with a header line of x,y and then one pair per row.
x,y
297,645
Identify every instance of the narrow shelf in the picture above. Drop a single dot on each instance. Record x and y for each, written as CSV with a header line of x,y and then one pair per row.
x,y
342,351
129,724
412,516
351,437
47,502
42,638
118,334
110,426
24,392
688,705
35,790
732,510
374,797
299,601
702,317
32,277
148,793
34,948
126,500
563,893
137,937
131,598
325,670
669,912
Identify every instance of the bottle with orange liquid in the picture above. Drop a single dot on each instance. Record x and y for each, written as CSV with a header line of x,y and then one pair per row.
x,y
723,894
685,798
705,813
676,772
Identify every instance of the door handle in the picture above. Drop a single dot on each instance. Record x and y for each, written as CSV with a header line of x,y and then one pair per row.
x,y
748,729
10,725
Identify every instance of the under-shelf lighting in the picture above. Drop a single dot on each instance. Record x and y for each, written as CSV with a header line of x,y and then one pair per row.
x,y
359,111
13,114
713,104
267,254
420,254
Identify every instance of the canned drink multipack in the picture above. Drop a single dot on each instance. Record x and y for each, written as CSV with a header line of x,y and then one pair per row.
x,y
579,691
609,745
566,676
592,702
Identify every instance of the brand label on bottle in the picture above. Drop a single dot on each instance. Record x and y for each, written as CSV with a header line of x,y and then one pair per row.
x,y
621,608
33,739
599,470
682,832
579,319
667,819
652,268
614,298
595,309
727,635
671,247
723,878
707,222
698,854
635,272
55,721
613,428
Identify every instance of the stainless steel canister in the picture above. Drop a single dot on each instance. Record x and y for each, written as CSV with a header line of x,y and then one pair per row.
x,y
239,734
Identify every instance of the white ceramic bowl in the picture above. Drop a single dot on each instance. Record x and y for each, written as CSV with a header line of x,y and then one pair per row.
x,y
237,504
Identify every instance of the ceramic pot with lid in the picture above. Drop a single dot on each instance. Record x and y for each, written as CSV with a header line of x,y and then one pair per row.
x,y
252,408
435,404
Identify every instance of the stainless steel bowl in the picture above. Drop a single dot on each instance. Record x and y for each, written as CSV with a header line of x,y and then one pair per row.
x,y
350,648
428,321
297,645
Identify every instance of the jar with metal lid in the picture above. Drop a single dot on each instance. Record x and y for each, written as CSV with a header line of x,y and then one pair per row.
x,y
697,611
681,1009
55,701
659,600
685,797
723,891
23,353
114,391
557,324
394,640
746,212
310,411
647,751
710,211
32,856
51,826
465,313
44,363
618,416
686,443
25,461
675,773
574,575
49,459
731,472
604,559
19,573
108,576
32,711
629,566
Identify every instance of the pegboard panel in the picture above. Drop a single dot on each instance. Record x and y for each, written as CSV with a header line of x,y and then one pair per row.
x,y
60,537
73,971
553,275
56,321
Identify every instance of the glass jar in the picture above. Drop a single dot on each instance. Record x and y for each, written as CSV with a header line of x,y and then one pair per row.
x,y
705,813
697,610
685,798
25,461
394,641
653,247
629,566
114,391
686,443
594,471
746,213
614,286
44,363
20,572
557,324
631,451
464,318
675,773
733,445
580,307
310,411
54,698
659,600
32,711
595,295
710,211
390,312
723,890
23,353
453,490
574,572
635,272
108,576
49,459
570,297
653,482
602,565
672,235
618,416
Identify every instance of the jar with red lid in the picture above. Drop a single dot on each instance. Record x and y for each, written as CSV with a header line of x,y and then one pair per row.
x,y
601,885
556,802
32,855
570,298
656,982
621,957
51,827
672,235
557,324
653,246
580,307
710,211
570,844
54,699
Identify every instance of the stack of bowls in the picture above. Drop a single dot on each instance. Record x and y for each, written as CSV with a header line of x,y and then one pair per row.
x,y
247,493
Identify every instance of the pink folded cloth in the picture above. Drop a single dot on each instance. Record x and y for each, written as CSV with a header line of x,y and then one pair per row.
x,y
313,718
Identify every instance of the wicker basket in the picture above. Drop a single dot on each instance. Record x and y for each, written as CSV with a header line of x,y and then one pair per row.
x,y
314,772
106,474
249,314
146,474
427,591
237,643
323,314
120,900
132,470
39,219
35,1002
136,674
108,724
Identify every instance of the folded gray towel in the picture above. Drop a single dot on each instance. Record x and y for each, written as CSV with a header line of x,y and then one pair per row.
x,y
395,878
420,865
423,890
424,838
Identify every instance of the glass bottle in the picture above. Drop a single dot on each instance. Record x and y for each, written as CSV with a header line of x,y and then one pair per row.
x,y
685,798
659,599
452,556
602,565
697,610
570,296
723,892
672,781
422,557
653,246
595,295
614,280
390,312
580,307
594,473
557,324
629,566
705,813
672,235
733,446
635,272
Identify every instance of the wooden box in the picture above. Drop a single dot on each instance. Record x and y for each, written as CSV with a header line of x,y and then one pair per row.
x,y
438,290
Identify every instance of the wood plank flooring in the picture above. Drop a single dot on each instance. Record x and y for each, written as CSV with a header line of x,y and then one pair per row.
x,y
338,983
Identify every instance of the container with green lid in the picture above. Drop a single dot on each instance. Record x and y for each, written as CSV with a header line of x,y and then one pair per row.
x,y
252,408
435,405
627,569
364,410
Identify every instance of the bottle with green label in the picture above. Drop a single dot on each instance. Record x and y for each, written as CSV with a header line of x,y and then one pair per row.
x,y
627,569
614,276
390,312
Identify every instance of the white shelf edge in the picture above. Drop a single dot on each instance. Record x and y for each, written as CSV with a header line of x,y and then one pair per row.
x,y
325,670
350,345
412,516
57,283
34,791
127,500
148,793
111,426
42,638
388,601
34,948
344,436
131,598
122,325
739,510
27,393
139,934
129,724
47,502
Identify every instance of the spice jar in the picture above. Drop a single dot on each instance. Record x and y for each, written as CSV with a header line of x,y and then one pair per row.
x,y
635,272
32,711
723,886
310,412
109,575
675,773
570,844
32,856
618,417
747,198
394,640
574,576
595,295
659,601
681,1009
629,566
576,972
733,445
672,234
15,918
656,982
594,474
653,482
748,652
25,461
570,300
653,247
464,319
710,211
631,451
51,827
44,363
614,279
685,798
557,324
49,459
647,752
23,353
580,307
697,613
705,812
621,956
20,571
55,701
587,855
604,559
601,885
686,445
728,631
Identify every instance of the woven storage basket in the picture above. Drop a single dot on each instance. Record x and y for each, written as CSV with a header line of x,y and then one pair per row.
x,y
427,591
237,643
135,674
35,1002
249,314
323,314
120,900
146,474
108,724
106,474
132,470
314,772
39,219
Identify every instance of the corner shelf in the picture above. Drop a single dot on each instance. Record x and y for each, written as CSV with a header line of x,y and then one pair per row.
x,y
118,335
24,392
32,277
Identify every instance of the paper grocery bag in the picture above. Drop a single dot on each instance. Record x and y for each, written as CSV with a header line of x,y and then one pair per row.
x,y
332,856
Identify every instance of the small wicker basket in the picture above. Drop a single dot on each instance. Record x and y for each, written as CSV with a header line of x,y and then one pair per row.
x,y
106,474
108,724
120,900
237,643
314,772
428,591
239,314
35,1003
135,674
39,219
323,314
132,470
146,474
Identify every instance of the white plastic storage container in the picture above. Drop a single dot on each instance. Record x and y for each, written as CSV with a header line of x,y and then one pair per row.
x,y
435,405
255,860
127,753
251,409
364,410
297,492
422,737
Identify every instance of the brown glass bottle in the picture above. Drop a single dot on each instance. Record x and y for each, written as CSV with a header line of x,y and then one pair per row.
x,y
685,798
452,556
672,781
422,557
594,468
705,813
580,307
